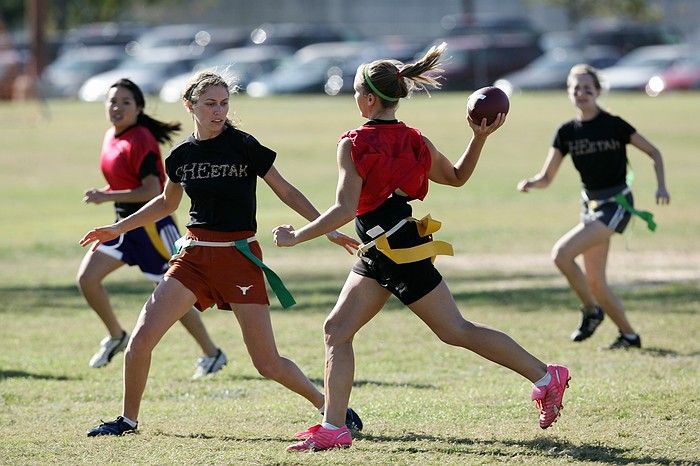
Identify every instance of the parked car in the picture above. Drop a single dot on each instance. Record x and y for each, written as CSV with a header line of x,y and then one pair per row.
x,y
240,64
341,80
65,75
103,34
626,35
475,61
11,66
196,40
148,71
634,70
685,74
549,71
298,35
307,70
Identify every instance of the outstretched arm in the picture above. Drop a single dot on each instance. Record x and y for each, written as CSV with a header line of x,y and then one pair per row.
x,y
157,208
546,175
340,213
150,188
444,172
295,199
643,144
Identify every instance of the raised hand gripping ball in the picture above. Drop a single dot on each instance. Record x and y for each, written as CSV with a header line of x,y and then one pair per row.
x,y
487,102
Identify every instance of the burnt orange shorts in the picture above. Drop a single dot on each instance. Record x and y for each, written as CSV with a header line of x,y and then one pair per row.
x,y
220,275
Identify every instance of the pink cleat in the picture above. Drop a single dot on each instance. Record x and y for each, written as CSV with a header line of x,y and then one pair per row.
x,y
549,398
323,439
308,432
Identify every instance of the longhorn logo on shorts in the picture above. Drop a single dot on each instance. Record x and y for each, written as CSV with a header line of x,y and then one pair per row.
x,y
244,289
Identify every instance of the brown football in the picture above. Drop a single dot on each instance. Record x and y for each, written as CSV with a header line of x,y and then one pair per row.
x,y
487,102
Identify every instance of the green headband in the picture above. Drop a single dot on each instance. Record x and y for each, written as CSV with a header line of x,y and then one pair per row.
x,y
375,90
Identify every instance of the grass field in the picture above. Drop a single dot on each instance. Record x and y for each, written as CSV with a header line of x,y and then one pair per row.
x,y
422,401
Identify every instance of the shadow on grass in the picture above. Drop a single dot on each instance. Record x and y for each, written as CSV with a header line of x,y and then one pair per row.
x,y
504,449
356,383
11,374
552,447
319,292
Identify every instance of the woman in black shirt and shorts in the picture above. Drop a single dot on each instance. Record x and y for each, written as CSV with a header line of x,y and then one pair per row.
x,y
220,261
597,143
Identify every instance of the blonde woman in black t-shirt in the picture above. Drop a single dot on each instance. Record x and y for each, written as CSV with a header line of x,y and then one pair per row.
x,y
220,261
597,143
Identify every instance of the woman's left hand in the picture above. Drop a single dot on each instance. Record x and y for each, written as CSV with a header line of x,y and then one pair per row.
x,y
349,243
482,129
662,196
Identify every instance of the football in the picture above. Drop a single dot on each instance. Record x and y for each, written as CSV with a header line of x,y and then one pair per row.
x,y
487,102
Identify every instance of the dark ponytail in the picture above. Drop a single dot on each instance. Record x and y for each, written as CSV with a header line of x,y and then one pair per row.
x,y
161,130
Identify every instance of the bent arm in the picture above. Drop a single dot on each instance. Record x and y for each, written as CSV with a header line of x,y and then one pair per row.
x,y
160,206
442,170
643,144
290,195
150,188
347,198
546,175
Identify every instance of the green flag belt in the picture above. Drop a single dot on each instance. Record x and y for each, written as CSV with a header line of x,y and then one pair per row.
x,y
281,291
620,198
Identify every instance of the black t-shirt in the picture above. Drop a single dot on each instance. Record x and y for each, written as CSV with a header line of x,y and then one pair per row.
x,y
598,149
219,175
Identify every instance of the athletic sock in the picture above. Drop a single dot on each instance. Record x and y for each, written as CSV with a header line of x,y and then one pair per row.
x,y
130,422
630,336
544,381
326,425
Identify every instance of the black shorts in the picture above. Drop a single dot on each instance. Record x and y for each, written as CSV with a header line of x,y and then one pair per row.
x,y
610,213
408,282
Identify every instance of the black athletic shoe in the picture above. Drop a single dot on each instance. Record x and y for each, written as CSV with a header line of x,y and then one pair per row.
x,y
353,421
116,427
589,322
623,342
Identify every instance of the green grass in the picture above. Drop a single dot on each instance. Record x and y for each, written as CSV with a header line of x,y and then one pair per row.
x,y
422,401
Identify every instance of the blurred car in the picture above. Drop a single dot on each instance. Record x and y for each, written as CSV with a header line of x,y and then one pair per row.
x,y
64,76
634,70
307,70
685,74
475,61
240,64
298,35
470,24
103,34
148,71
626,35
341,80
549,71
11,66
195,40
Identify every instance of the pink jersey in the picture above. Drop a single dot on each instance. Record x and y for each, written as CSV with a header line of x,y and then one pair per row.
x,y
122,156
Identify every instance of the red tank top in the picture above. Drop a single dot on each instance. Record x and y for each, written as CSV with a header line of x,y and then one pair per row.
x,y
121,157
389,157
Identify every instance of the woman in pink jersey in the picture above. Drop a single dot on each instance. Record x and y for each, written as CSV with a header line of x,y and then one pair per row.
x,y
131,163
383,165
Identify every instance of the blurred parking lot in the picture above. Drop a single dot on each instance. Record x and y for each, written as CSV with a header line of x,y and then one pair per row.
x,y
287,58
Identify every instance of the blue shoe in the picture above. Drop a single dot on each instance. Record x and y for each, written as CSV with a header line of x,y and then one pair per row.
x,y
353,421
116,427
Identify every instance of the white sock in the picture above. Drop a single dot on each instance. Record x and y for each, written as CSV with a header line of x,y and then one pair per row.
x,y
326,425
544,381
130,422
630,336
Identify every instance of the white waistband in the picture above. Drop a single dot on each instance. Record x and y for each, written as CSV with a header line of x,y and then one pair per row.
x,y
378,231
186,242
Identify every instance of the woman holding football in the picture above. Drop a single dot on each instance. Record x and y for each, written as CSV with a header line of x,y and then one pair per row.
x,y
383,165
